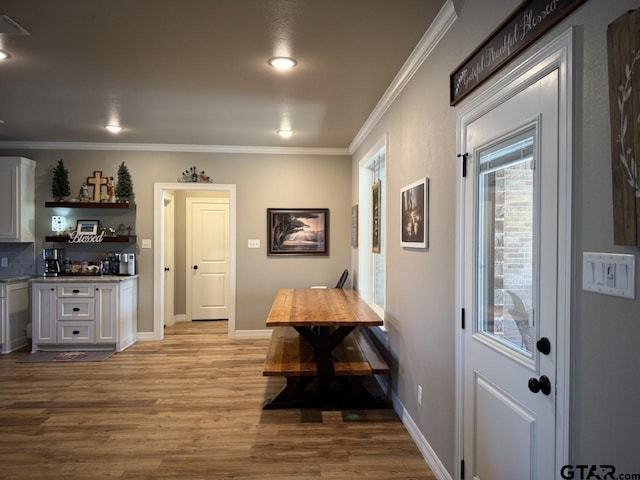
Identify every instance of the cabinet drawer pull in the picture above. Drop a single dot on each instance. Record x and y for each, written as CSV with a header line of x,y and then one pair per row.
x,y
76,332
76,309
76,291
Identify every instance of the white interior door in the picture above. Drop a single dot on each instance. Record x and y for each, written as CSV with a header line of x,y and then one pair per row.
x,y
510,287
208,258
168,261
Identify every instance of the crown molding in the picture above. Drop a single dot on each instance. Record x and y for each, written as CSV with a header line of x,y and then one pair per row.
x,y
173,147
441,24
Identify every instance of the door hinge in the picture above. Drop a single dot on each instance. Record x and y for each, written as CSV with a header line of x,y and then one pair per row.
x,y
461,469
462,320
464,163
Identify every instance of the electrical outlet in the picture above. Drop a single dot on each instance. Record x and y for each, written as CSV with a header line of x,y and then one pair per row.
x,y
419,394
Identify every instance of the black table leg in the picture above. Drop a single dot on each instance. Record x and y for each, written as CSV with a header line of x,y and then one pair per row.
x,y
324,340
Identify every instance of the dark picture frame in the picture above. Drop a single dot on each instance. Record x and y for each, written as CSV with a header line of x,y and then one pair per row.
x,y
376,201
298,231
414,205
87,227
354,226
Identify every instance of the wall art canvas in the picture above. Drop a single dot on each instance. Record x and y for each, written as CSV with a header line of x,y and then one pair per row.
x,y
414,204
298,231
376,216
623,41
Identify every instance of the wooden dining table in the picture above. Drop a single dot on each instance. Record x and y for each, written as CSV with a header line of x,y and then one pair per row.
x,y
324,317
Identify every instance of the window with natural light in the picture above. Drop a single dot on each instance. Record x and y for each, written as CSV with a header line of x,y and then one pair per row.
x,y
372,284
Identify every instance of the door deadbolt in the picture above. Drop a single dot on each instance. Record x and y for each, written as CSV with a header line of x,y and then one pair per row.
x,y
544,346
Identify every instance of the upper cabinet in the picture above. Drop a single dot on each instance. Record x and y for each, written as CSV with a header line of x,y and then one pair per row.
x,y
17,199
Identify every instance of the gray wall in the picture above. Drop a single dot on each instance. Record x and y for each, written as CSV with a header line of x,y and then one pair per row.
x,y
262,181
420,285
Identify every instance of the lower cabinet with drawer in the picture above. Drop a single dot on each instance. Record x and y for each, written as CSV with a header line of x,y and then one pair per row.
x,y
94,315
14,315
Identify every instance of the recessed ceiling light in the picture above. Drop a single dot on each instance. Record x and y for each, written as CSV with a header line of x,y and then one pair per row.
x,y
114,128
282,63
4,55
285,133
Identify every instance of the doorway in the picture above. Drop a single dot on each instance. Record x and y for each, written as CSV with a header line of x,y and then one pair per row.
x,y
207,258
513,272
162,190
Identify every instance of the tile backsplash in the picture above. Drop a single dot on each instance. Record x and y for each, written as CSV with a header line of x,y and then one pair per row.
x,y
20,259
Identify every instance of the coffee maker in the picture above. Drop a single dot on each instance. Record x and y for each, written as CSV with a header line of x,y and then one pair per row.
x,y
126,263
52,261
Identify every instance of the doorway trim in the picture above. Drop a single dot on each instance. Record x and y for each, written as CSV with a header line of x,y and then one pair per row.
x,y
557,55
158,254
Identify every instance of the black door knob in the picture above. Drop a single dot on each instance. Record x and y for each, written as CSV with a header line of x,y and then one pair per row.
x,y
195,267
544,346
540,385
166,269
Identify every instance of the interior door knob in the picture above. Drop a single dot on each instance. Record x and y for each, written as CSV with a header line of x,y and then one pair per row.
x,y
166,269
544,346
540,385
195,267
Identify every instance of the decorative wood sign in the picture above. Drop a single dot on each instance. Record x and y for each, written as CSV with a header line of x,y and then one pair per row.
x,y
623,41
530,20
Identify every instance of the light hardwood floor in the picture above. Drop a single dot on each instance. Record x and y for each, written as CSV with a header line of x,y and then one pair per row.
x,y
188,407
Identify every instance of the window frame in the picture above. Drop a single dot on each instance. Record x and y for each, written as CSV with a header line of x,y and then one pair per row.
x,y
367,178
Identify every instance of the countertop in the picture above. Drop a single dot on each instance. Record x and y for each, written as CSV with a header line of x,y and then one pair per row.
x,y
83,279
13,278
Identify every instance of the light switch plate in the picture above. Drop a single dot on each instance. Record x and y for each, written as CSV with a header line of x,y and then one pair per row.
x,y
253,243
609,274
146,243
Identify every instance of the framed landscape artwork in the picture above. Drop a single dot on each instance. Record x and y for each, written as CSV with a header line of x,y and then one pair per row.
x,y
87,227
414,202
298,231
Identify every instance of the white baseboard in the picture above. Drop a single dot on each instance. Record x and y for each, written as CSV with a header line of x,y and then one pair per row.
x,y
252,334
145,337
427,452
180,318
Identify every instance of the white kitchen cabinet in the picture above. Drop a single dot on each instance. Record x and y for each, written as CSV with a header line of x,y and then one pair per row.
x,y
43,313
17,199
99,313
14,315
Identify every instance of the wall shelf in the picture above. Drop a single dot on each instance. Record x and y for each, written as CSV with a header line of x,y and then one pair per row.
x,y
102,205
117,239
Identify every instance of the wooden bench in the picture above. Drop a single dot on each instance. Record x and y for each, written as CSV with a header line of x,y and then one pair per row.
x,y
290,355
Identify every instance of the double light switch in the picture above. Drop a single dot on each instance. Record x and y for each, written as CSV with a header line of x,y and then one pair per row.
x,y
609,274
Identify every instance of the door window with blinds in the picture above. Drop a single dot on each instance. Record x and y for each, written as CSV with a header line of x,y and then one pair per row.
x,y
506,257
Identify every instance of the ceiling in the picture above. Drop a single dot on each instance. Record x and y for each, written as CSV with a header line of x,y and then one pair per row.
x,y
195,72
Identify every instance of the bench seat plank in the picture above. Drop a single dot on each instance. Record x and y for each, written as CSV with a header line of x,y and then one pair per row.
x,y
348,358
290,355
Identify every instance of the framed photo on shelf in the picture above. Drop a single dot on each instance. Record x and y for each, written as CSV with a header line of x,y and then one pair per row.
x,y
87,227
414,204
298,231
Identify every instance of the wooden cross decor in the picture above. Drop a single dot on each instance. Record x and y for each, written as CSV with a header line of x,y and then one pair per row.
x,y
97,181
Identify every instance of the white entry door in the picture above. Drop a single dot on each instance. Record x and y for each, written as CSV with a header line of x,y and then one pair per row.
x,y
510,287
208,294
